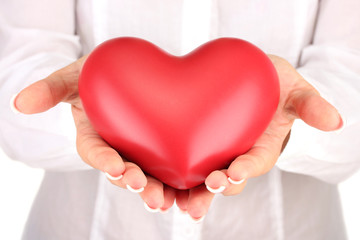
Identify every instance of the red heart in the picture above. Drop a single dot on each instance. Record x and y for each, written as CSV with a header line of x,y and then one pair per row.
x,y
179,118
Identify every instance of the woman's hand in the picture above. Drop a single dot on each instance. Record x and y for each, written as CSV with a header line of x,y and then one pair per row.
x,y
298,99
62,86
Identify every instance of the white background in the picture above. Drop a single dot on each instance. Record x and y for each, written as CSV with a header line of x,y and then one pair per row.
x,y
19,184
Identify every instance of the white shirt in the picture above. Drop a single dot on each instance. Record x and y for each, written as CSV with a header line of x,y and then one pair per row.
x,y
297,199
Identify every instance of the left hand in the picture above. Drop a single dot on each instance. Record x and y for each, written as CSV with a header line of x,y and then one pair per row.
x,y
298,99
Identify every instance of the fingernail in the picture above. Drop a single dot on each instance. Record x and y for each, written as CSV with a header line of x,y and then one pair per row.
x,y
197,220
112,177
343,124
164,210
152,210
134,190
236,182
12,104
215,190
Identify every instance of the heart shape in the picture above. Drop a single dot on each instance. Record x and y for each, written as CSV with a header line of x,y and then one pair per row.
x,y
179,118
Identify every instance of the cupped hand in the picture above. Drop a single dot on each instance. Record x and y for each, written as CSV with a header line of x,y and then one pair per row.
x,y
62,86
298,99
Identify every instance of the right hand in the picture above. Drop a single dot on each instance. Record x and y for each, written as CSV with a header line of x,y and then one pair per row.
x,y
62,86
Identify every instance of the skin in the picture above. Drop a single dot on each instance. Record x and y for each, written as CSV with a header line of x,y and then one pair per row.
x,y
298,99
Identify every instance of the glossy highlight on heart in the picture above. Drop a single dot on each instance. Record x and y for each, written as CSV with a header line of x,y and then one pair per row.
x,y
179,118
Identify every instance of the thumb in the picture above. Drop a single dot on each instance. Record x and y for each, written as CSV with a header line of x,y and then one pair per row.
x,y
315,110
42,95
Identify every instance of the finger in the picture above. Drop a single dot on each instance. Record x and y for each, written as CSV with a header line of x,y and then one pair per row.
x,y
169,198
199,202
182,197
260,159
94,150
134,178
119,181
153,194
217,181
42,95
234,189
315,110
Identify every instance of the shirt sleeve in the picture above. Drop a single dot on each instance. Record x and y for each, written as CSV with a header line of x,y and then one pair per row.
x,y
36,38
332,65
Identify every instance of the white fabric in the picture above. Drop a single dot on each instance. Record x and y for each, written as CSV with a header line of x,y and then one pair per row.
x,y
296,200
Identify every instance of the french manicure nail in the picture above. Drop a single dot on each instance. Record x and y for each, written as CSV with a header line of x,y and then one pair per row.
x,y
197,220
112,177
236,182
215,190
134,190
13,106
152,210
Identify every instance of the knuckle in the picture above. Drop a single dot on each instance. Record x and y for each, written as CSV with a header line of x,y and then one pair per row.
x,y
259,164
97,156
